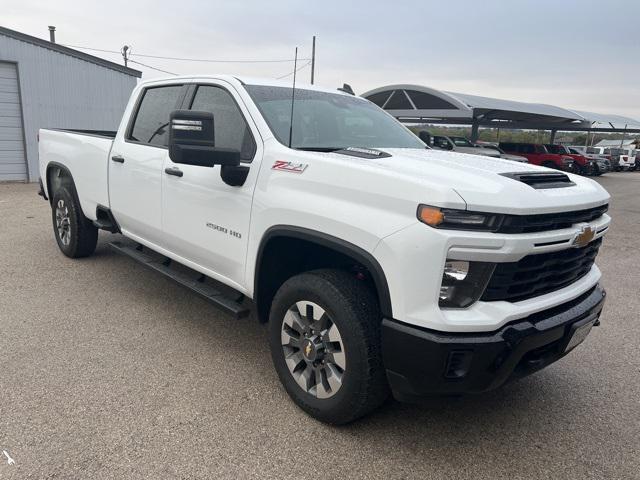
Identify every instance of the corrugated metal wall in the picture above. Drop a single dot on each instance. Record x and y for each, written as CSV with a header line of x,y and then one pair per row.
x,y
60,91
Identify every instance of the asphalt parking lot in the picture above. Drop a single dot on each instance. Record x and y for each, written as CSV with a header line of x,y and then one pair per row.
x,y
108,370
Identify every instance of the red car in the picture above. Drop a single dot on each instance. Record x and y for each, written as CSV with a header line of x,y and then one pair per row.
x,y
582,164
537,154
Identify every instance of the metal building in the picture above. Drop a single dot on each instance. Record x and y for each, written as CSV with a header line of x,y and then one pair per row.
x,y
46,85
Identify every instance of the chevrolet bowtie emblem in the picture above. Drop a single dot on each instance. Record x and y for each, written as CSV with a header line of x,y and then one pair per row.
x,y
307,349
584,236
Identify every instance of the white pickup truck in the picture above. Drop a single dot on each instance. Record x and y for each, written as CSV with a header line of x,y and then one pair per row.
x,y
380,265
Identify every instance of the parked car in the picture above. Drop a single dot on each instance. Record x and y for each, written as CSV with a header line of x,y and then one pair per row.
x,y
620,160
628,159
582,165
504,155
601,163
537,154
460,145
380,266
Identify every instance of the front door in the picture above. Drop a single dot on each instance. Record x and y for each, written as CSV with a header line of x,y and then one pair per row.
x,y
136,161
206,221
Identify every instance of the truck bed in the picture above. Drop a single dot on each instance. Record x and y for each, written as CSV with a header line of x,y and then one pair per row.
x,y
85,153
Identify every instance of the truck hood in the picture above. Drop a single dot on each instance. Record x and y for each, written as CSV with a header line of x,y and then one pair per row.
x,y
481,183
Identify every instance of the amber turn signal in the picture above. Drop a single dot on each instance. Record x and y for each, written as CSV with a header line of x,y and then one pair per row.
x,y
432,216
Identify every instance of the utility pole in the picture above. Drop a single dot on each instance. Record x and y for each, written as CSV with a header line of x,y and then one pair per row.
x,y
313,59
125,51
624,133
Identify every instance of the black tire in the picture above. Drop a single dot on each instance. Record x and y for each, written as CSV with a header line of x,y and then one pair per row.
x,y
352,307
76,235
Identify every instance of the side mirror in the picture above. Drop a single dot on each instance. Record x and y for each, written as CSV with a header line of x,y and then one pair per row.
x,y
192,141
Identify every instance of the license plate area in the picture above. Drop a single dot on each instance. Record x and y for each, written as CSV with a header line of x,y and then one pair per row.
x,y
579,331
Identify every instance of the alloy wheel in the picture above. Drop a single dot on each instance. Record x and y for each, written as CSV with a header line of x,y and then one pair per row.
x,y
313,349
63,222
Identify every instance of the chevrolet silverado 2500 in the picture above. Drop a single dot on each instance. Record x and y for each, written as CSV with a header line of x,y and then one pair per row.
x,y
380,265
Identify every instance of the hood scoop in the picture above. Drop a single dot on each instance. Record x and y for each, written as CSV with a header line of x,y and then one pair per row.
x,y
541,181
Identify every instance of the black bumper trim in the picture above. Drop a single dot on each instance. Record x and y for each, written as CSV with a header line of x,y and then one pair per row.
x,y
417,360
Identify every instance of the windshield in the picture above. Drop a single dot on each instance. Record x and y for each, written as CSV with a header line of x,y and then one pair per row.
x,y
461,142
329,121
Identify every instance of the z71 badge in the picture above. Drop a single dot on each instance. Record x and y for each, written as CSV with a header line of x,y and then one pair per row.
x,y
289,166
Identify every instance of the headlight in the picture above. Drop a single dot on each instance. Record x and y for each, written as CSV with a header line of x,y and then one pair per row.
x,y
451,219
463,283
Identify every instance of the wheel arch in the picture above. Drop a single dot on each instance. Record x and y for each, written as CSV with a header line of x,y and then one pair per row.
x,y
263,293
53,184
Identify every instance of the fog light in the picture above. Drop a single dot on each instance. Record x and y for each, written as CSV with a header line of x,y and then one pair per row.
x,y
463,283
458,364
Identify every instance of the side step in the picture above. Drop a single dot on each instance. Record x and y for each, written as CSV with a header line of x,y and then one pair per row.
x,y
104,224
188,278
105,220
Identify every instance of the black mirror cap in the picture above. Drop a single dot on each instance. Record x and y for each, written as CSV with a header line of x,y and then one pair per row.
x,y
189,127
192,140
203,156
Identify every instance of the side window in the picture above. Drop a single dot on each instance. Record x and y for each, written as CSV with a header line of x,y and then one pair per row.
x,y
442,142
231,129
152,118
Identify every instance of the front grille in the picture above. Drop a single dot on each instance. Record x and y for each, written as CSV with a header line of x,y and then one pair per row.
x,y
539,274
549,221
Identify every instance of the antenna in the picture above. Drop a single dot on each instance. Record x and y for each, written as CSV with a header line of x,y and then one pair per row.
x,y
293,95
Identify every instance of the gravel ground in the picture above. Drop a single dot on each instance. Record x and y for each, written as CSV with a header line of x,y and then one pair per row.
x,y
108,370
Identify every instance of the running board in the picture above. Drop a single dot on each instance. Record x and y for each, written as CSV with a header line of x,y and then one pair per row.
x,y
190,279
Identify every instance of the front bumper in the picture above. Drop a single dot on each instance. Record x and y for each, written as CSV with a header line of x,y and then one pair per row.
x,y
421,362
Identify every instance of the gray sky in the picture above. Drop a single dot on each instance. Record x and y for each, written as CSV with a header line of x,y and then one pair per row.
x,y
580,54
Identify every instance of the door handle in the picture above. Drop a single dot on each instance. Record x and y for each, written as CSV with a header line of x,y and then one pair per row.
x,y
176,172
118,158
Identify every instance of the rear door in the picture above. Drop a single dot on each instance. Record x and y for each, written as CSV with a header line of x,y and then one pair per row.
x,y
136,161
206,221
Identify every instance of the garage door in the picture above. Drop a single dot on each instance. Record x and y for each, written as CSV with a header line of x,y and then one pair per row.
x,y
12,158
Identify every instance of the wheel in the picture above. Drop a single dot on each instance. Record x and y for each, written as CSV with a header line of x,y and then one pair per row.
x,y
324,334
76,235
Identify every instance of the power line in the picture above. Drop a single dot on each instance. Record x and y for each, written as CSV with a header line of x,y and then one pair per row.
x,y
152,68
93,49
297,70
206,60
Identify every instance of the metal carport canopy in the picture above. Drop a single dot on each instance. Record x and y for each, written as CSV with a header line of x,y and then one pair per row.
x,y
417,103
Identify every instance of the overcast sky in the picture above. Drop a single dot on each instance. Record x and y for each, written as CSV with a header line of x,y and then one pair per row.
x,y
581,54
